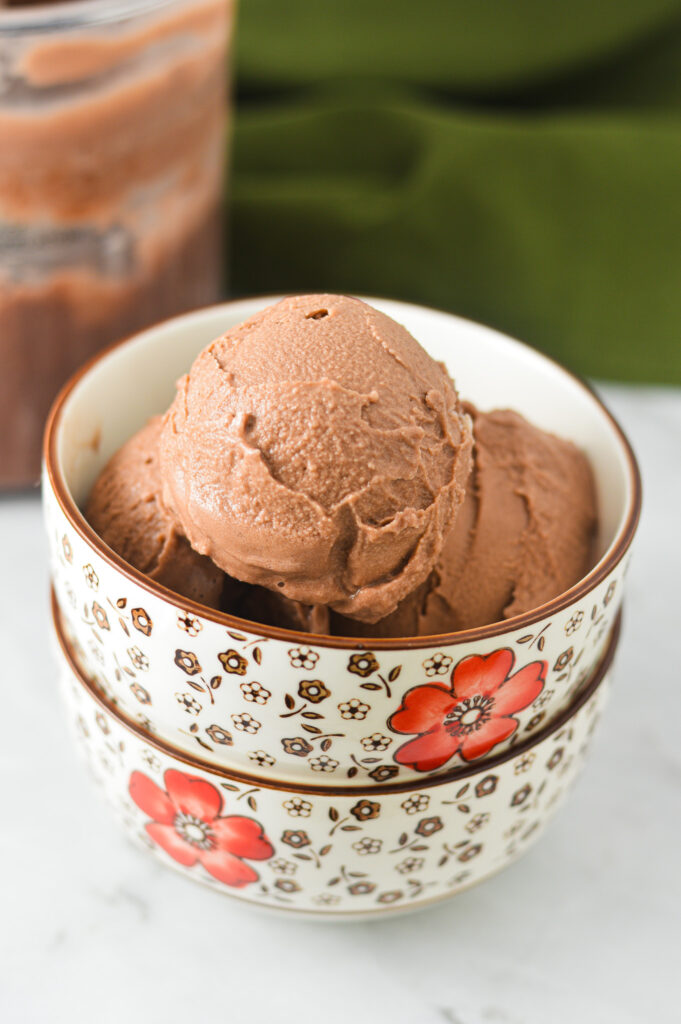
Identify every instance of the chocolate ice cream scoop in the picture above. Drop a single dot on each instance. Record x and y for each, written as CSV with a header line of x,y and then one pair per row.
x,y
124,510
273,609
524,535
319,451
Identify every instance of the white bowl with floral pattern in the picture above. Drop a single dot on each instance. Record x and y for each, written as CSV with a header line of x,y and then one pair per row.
x,y
306,707
325,850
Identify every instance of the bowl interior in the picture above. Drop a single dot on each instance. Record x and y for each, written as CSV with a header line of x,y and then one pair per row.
x,y
136,380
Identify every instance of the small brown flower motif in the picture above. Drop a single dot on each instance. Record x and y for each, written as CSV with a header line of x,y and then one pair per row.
x,y
220,735
361,888
313,690
354,709
322,764
563,660
326,899
139,659
366,846
189,703
283,867
100,616
303,657
297,745
610,593
438,665
142,695
82,727
524,763
298,839
101,721
390,897
187,661
365,810
535,721
416,803
189,623
521,795
150,759
477,822
255,692
245,723
233,662
543,699
377,741
97,654
428,826
262,758
362,664
287,885
141,620
471,851
573,624
555,759
384,772
409,864
67,549
91,577
487,785
297,807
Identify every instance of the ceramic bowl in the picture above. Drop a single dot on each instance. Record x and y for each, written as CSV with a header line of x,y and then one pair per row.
x,y
316,849
313,708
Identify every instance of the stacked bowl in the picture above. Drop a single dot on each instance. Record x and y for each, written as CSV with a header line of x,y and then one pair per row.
x,y
314,773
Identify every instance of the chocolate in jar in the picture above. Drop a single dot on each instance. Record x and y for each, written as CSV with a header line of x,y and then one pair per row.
x,y
112,142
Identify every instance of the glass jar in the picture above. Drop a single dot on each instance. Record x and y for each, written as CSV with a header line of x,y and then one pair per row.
x,y
112,143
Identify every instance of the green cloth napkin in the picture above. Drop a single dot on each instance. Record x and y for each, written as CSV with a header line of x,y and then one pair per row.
x,y
515,162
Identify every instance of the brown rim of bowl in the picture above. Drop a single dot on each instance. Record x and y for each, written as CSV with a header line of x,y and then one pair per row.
x,y
598,573
428,782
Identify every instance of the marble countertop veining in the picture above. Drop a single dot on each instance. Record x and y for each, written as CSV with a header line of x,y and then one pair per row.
x,y
586,927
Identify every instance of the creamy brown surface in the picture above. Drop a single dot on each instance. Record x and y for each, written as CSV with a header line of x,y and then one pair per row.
x,y
289,426
124,510
524,535
319,451
111,154
272,609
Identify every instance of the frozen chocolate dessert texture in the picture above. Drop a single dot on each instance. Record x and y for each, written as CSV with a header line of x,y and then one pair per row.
x,y
524,535
268,608
324,471
124,510
319,451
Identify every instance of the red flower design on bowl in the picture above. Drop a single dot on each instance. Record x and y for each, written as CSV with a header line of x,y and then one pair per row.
x,y
471,716
187,825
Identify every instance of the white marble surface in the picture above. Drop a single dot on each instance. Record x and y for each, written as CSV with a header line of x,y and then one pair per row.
x,y
586,928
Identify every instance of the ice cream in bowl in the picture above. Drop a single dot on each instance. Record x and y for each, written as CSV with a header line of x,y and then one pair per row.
x,y
333,541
